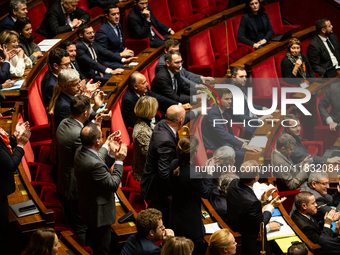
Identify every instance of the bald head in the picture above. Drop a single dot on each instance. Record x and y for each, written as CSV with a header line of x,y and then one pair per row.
x,y
174,114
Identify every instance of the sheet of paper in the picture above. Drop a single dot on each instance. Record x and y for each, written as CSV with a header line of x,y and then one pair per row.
x,y
259,188
133,64
285,230
286,242
49,42
17,85
260,141
211,228
45,48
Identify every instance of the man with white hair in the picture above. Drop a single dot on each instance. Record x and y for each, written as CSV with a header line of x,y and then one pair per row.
x,y
68,82
63,16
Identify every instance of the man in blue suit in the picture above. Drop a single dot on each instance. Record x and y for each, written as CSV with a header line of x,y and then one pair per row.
x,y
90,56
17,9
150,229
110,36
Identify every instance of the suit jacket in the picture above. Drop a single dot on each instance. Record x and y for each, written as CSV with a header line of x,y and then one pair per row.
x,y
54,21
138,245
245,217
108,39
215,137
130,99
68,141
247,31
162,84
188,77
292,179
5,73
7,23
96,186
300,152
318,55
139,27
155,183
287,68
87,65
47,87
324,202
74,65
100,3
9,163
187,190
331,97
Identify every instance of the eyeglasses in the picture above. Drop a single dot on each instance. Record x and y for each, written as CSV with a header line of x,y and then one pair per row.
x,y
324,183
66,64
179,62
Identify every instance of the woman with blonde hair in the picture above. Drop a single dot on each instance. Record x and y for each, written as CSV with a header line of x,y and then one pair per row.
x,y
187,191
221,242
145,109
18,60
43,242
178,245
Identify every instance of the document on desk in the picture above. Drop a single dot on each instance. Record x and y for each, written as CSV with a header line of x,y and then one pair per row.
x,y
286,242
260,141
47,44
211,228
17,85
285,231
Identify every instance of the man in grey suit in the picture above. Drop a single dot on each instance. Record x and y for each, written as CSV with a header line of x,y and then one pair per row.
x,y
188,77
68,141
96,184
289,176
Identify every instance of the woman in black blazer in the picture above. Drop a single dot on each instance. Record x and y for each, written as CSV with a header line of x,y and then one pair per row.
x,y
11,153
187,190
255,27
295,64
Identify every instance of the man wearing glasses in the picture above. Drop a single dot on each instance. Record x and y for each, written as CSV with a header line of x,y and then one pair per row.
x,y
170,84
63,16
317,184
58,60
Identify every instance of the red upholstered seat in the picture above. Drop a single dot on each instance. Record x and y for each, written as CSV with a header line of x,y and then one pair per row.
x,y
117,123
36,15
274,14
202,57
152,71
278,58
50,198
222,2
130,185
181,10
207,6
201,156
137,201
44,173
262,88
290,195
26,168
161,11
137,45
94,12
314,147
304,46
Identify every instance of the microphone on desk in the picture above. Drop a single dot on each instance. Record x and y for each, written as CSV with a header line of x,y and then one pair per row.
x,y
224,17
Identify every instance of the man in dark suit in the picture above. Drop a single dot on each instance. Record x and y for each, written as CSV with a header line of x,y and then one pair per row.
x,y
110,36
246,216
63,16
150,230
143,24
155,183
138,86
318,232
323,51
293,127
90,55
102,3
68,81
317,184
17,9
58,60
96,184
290,176
331,98
11,153
70,47
188,77
215,136
168,81
68,141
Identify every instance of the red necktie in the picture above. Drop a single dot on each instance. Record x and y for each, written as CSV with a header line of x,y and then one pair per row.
x,y
157,33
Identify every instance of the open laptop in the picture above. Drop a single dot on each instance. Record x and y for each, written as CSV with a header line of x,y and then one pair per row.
x,y
288,34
